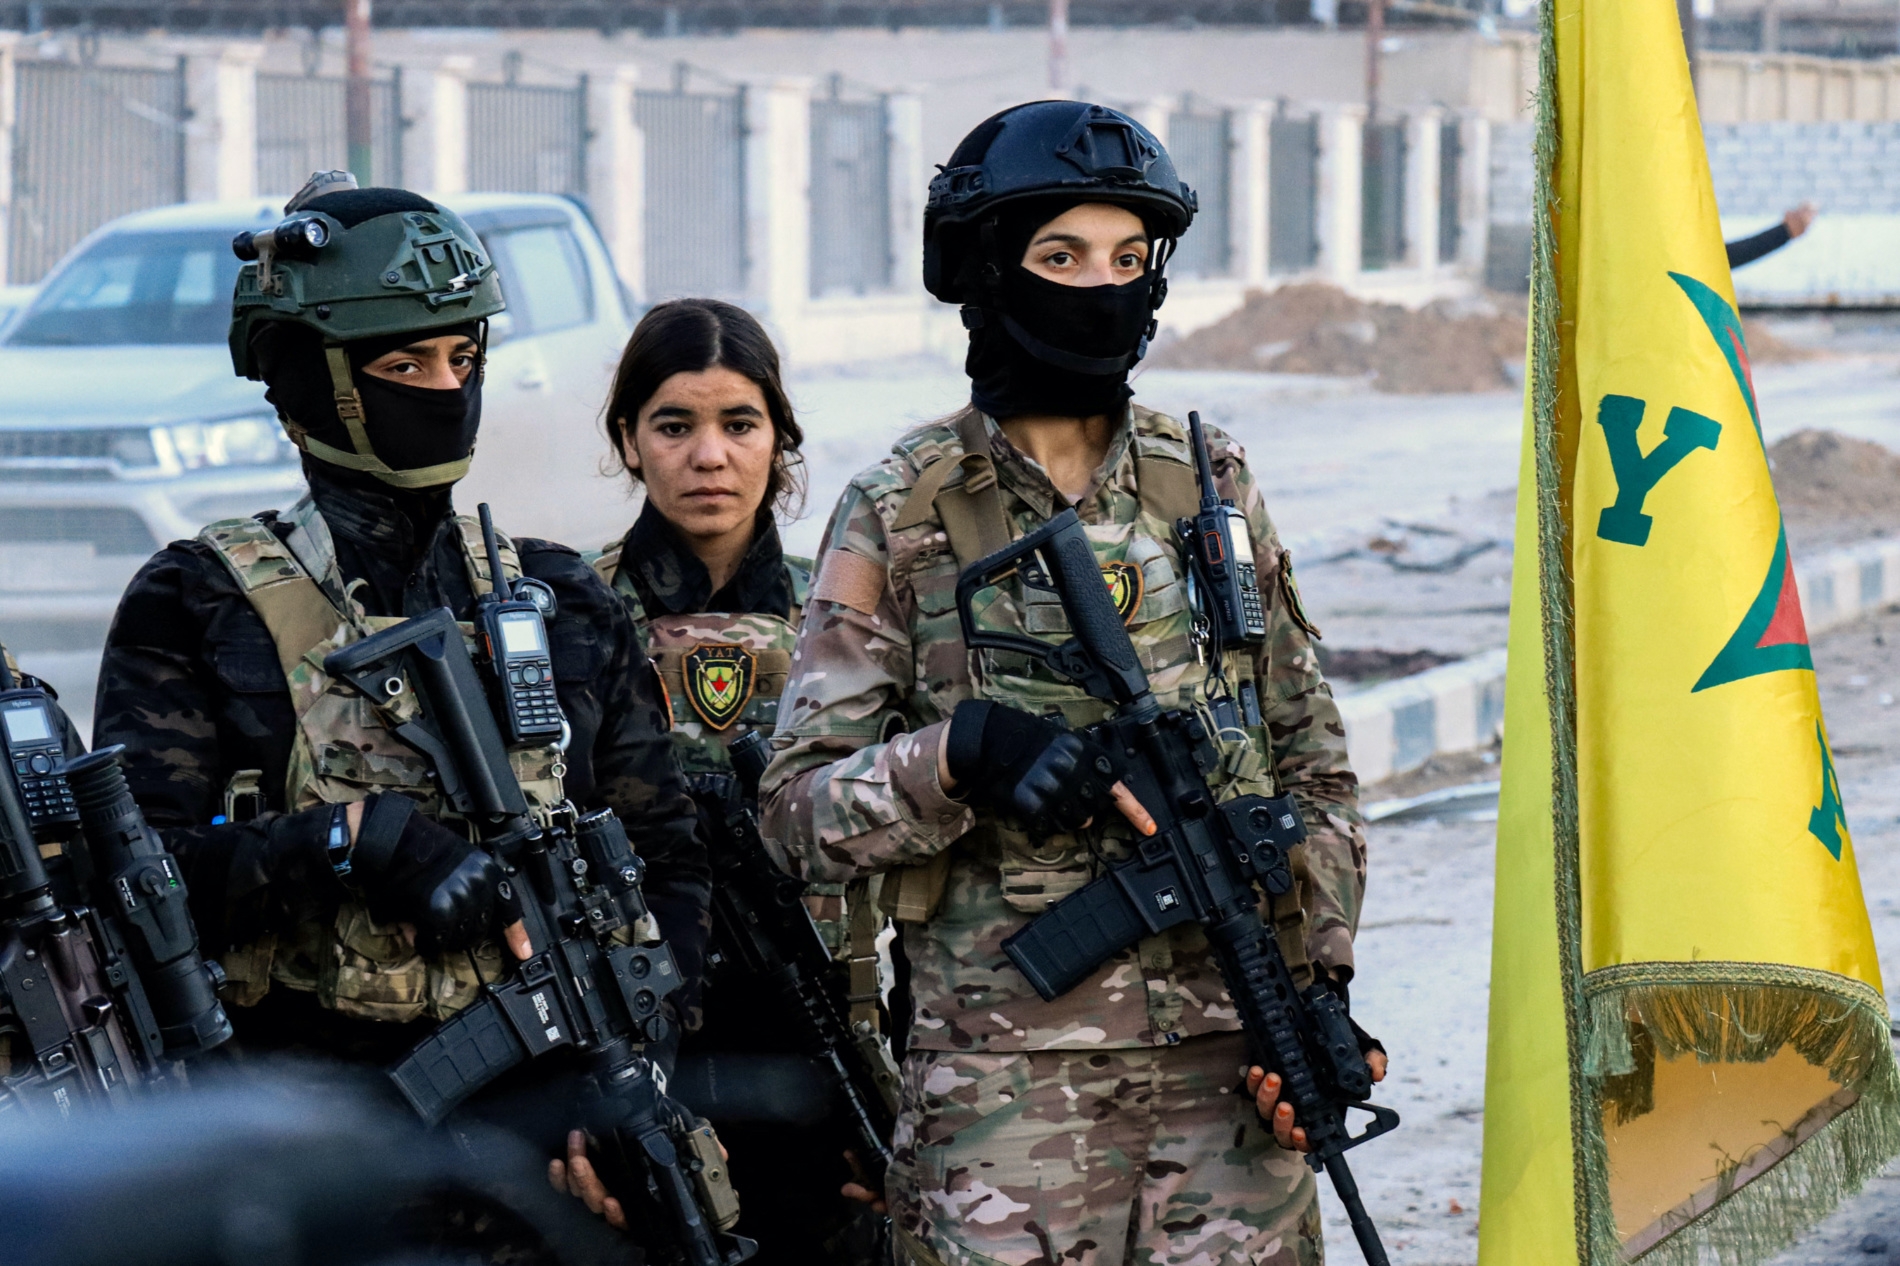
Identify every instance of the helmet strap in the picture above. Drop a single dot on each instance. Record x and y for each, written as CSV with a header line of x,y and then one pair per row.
x,y
349,408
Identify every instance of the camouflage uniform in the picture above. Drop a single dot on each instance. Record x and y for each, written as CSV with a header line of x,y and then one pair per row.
x,y
723,659
1008,1098
193,684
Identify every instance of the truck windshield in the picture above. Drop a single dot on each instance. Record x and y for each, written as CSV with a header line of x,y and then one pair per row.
x,y
136,288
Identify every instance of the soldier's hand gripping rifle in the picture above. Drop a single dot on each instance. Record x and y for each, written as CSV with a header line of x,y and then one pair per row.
x,y
102,988
582,988
1202,863
761,923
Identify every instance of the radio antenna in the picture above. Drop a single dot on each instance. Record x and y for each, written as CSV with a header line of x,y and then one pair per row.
x,y
1203,464
504,592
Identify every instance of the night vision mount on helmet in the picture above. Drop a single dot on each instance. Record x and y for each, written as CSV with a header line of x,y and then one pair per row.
x,y
1046,149
368,268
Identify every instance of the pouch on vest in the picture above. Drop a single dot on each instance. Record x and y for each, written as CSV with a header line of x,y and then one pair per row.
x,y
344,749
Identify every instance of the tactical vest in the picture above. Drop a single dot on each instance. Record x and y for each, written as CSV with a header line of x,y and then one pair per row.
x,y
1142,565
344,750
701,656
723,671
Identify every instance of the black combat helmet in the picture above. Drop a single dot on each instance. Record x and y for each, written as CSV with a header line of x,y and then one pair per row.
x,y
1043,150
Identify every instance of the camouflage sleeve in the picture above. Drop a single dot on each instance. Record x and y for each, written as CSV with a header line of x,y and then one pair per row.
x,y
838,802
1308,737
186,729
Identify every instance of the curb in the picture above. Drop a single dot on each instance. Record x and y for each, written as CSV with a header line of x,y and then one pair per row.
x,y
1398,725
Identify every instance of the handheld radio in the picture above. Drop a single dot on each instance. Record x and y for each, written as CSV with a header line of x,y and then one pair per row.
x,y
34,749
516,640
1220,551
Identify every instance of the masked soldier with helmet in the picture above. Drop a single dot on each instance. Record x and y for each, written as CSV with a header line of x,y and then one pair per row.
x,y
349,909
1109,1125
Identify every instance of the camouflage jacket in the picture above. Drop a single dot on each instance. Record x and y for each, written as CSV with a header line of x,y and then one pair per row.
x,y
880,652
191,684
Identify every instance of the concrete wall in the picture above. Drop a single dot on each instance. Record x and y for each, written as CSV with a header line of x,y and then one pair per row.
x,y
1845,168
937,84
1759,87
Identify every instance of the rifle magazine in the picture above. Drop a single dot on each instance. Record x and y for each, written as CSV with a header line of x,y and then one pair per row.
x,y
465,1053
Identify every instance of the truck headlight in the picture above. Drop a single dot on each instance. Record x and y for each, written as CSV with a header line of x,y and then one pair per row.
x,y
251,441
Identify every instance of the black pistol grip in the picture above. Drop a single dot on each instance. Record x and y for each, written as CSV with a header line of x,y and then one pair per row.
x,y
465,1052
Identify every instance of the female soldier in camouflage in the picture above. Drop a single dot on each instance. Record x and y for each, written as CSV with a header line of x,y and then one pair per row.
x,y
1104,1127
700,418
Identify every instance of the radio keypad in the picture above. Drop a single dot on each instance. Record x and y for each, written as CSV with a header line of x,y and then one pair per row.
x,y
47,797
537,711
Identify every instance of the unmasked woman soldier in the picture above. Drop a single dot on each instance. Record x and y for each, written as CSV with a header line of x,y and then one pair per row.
x,y
1106,1126
701,421
349,908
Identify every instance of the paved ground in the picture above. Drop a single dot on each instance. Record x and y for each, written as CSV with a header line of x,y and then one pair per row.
x,y
1424,964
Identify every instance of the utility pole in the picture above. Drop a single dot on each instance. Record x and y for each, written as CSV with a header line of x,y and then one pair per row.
x,y
1771,26
1375,36
1058,46
356,96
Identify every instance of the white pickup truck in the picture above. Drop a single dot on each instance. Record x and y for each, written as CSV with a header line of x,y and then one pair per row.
x,y
122,426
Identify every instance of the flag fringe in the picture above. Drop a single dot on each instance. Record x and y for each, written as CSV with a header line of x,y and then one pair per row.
x,y
1594,1226
1727,1012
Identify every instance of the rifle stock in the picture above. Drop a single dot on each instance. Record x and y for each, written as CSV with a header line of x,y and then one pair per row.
x,y
761,923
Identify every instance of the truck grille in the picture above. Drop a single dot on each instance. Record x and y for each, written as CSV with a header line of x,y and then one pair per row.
x,y
107,530
56,455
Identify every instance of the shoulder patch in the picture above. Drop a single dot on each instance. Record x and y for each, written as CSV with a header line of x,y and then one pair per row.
x,y
1290,594
851,580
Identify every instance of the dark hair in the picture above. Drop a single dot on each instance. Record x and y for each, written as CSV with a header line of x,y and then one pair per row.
x,y
687,336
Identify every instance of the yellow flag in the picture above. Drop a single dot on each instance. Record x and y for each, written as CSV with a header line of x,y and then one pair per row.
x,y
1689,1056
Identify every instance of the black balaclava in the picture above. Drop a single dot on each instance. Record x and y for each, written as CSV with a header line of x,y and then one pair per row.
x,y
1040,347
409,427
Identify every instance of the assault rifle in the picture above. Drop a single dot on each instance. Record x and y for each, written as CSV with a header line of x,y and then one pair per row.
x,y
1202,863
578,883
102,988
762,926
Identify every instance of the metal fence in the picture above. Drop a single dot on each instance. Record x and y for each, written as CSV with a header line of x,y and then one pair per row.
x,y
1382,197
527,139
1292,195
850,197
695,193
89,145
1200,145
302,128
1450,159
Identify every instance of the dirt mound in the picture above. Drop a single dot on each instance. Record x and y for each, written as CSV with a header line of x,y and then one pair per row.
x,y
1313,328
1764,348
1371,664
1836,474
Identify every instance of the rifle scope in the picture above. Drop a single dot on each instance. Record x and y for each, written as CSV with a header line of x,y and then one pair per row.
x,y
141,882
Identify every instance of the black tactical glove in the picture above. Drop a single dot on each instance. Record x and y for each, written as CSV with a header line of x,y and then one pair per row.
x,y
413,870
1004,758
